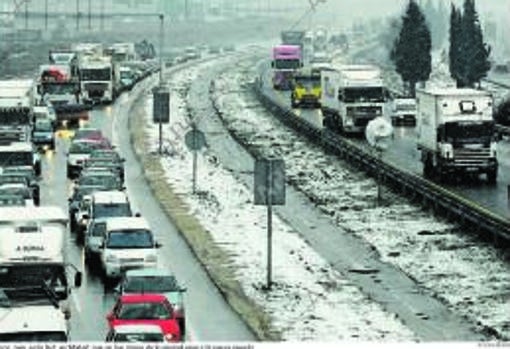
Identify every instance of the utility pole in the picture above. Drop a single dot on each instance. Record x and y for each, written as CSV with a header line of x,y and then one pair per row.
x,y
77,15
102,15
90,15
26,14
46,14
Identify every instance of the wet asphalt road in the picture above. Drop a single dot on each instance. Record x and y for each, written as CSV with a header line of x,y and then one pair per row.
x,y
209,316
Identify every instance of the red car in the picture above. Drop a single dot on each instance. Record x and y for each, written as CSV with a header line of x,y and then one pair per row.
x,y
145,309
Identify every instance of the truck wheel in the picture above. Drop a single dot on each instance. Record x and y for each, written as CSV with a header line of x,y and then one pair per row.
x,y
428,169
492,176
37,169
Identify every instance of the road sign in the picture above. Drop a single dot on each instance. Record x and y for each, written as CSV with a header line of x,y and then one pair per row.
x,y
161,105
269,178
195,139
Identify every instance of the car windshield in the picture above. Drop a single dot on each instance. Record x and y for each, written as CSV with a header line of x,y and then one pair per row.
x,y
308,81
151,284
16,158
60,88
103,74
98,229
363,95
139,337
25,193
287,64
83,147
87,134
34,337
105,181
43,125
112,210
144,311
130,239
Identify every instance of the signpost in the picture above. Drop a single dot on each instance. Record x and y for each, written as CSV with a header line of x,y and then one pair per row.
x,y
194,140
269,177
161,109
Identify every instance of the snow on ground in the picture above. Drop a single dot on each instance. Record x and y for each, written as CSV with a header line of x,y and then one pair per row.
x,y
310,301
472,278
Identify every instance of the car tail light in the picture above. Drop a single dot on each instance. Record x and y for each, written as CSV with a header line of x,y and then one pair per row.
x,y
169,337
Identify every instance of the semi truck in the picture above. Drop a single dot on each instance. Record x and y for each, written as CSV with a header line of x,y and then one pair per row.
x,y
455,132
32,251
306,90
352,96
97,79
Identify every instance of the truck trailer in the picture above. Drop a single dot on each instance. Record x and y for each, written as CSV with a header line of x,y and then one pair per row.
x,y
352,96
456,132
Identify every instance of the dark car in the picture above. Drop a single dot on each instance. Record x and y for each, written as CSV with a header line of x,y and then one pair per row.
x,y
103,178
29,177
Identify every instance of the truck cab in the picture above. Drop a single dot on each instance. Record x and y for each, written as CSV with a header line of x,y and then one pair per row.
x,y
96,76
404,112
32,251
306,91
31,318
456,133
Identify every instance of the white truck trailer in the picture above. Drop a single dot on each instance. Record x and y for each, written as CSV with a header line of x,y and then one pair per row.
x,y
455,132
352,96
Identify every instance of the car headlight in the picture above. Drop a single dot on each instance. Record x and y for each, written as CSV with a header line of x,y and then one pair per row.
x,y
111,258
151,258
169,337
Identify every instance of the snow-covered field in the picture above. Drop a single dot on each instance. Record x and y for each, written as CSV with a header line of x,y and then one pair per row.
x,y
309,301
471,278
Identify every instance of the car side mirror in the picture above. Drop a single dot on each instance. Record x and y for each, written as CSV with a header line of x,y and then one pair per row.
x,y
78,278
272,64
86,216
138,214
158,245
183,289
109,316
101,246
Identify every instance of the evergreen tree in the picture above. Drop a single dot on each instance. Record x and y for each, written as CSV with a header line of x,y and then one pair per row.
x,y
411,51
455,37
470,52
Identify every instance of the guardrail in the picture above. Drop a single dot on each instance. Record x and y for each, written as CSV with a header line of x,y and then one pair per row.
x,y
420,190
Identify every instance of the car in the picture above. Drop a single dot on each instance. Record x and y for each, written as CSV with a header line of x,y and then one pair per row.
x,y
113,203
158,281
76,199
129,243
43,135
102,177
105,164
145,309
135,333
94,237
88,133
214,50
79,151
19,178
18,189
9,200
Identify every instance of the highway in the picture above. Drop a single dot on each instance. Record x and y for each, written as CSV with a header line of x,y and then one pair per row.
x,y
92,302
404,155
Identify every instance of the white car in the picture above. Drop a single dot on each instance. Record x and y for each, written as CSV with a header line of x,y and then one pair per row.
x,y
128,244
20,190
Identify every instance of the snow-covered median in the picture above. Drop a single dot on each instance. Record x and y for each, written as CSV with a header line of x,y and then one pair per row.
x,y
472,278
309,301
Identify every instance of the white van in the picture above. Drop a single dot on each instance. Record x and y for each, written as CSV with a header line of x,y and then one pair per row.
x,y
128,244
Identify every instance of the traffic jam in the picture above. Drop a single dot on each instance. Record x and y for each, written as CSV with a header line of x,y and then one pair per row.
x,y
36,276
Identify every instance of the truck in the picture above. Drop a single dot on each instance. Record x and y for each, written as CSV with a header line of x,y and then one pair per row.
x,y
455,132
97,79
306,90
404,112
286,59
58,86
352,96
33,254
65,57
31,314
